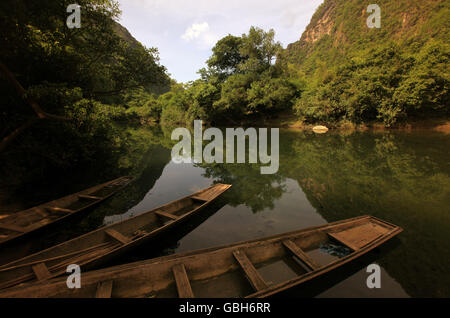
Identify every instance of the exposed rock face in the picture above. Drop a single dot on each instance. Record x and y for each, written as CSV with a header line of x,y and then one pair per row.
x,y
339,29
321,27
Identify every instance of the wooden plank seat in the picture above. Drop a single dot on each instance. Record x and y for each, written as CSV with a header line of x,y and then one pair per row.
x,y
118,236
41,271
167,215
58,209
13,228
104,289
298,252
250,271
89,197
182,281
359,236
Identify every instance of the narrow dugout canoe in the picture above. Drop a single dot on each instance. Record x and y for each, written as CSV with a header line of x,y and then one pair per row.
x,y
257,268
18,225
96,247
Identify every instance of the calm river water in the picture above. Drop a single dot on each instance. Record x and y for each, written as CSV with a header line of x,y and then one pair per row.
x,y
400,177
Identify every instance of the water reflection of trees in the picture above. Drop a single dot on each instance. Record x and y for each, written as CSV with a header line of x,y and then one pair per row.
x,y
399,177
143,158
403,178
250,187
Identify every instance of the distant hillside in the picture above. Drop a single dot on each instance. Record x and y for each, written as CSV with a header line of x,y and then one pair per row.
x,y
352,72
125,35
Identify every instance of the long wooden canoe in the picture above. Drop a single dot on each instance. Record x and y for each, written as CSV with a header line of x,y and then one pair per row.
x,y
257,268
101,245
19,224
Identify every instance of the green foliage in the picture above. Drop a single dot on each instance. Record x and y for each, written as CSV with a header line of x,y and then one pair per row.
x,y
226,55
83,74
174,105
241,80
270,95
234,95
384,85
357,74
259,48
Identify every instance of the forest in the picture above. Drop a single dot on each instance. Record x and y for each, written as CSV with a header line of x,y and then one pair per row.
x,y
68,93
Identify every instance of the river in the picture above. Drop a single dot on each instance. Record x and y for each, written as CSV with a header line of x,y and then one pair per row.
x,y
400,177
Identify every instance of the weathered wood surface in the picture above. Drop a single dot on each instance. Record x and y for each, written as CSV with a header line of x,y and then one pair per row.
x,y
105,242
41,271
297,251
182,281
357,237
153,277
166,215
24,222
104,289
89,197
118,236
250,271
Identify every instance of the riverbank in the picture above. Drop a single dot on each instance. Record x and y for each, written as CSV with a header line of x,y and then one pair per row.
x,y
289,120
11,200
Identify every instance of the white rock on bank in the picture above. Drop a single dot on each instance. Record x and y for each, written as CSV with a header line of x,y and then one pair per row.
x,y
320,129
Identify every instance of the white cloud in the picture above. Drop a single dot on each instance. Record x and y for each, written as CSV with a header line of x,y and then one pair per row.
x,y
194,31
185,31
201,33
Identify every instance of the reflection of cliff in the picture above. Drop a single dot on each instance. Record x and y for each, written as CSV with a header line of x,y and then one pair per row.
x,y
151,167
401,178
155,161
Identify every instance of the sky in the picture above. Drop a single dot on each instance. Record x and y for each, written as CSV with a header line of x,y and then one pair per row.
x,y
185,31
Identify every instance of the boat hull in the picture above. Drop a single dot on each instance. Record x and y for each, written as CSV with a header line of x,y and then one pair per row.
x,y
223,271
12,225
106,243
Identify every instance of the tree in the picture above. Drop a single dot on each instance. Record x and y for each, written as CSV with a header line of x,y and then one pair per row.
x,y
41,56
259,48
226,55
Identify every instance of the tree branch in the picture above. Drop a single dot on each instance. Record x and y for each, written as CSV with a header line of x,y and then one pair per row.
x,y
41,114
9,139
22,93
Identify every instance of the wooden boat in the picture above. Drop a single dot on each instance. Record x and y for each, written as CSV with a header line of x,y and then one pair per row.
x,y
17,225
257,268
96,247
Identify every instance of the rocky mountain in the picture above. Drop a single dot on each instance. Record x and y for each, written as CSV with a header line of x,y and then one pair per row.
x,y
125,35
355,73
338,29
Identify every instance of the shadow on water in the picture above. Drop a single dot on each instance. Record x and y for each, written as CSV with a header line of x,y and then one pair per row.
x,y
156,159
169,241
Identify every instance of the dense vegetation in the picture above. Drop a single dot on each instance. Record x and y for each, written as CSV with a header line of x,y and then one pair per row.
x,y
340,72
63,89
357,74
241,81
